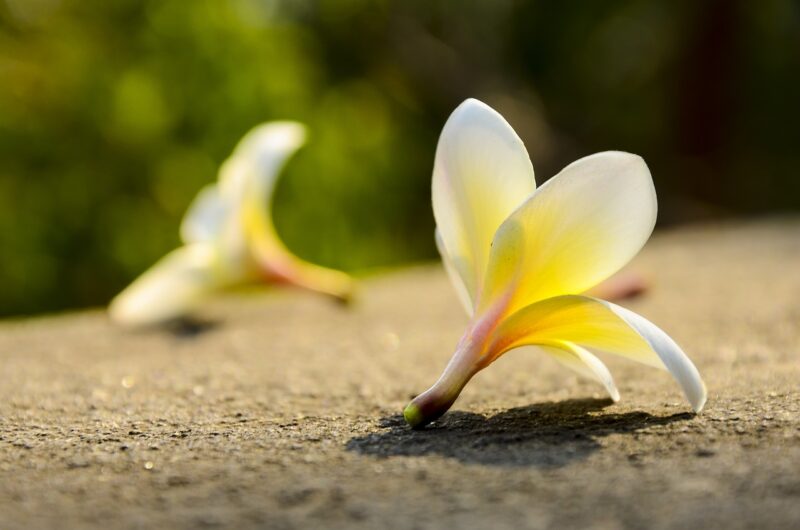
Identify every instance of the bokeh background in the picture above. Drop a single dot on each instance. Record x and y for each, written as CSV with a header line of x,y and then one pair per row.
x,y
114,113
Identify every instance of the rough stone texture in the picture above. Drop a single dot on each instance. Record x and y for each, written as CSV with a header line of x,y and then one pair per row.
x,y
284,413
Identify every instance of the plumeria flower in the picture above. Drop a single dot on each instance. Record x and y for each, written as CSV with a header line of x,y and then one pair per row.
x,y
520,257
229,238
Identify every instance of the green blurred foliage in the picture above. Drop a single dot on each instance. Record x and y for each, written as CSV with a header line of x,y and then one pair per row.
x,y
114,114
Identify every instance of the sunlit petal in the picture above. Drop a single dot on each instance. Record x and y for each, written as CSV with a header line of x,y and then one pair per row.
x,y
575,231
247,181
239,207
678,364
253,168
603,326
584,363
452,272
205,218
170,289
482,172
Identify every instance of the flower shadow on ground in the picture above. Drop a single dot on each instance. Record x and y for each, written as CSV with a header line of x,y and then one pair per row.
x,y
185,328
191,327
543,435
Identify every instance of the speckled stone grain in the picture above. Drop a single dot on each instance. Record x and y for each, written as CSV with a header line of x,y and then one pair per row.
x,y
284,411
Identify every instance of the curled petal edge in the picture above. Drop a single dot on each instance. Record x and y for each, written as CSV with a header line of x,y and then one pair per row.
x,y
170,289
583,362
604,326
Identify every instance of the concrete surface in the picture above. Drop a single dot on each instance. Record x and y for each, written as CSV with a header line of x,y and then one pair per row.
x,y
284,412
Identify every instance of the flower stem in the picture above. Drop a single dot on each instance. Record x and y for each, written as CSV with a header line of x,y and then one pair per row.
x,y
280,266
434,402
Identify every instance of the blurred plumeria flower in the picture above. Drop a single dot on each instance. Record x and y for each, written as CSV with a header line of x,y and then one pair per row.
x,y
520,257
229,238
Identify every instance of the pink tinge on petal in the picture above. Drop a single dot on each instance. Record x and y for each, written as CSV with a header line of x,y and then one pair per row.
x,y
623,285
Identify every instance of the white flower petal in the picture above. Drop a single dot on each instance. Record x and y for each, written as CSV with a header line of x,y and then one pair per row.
x,y
246,182
205,218
214,220
256,161
575,231
170,289
482,172
236,213
248,177
603,326
678,364
452,272
583,362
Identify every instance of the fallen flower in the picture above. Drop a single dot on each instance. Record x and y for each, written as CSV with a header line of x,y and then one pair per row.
x,y
520,257
229,238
